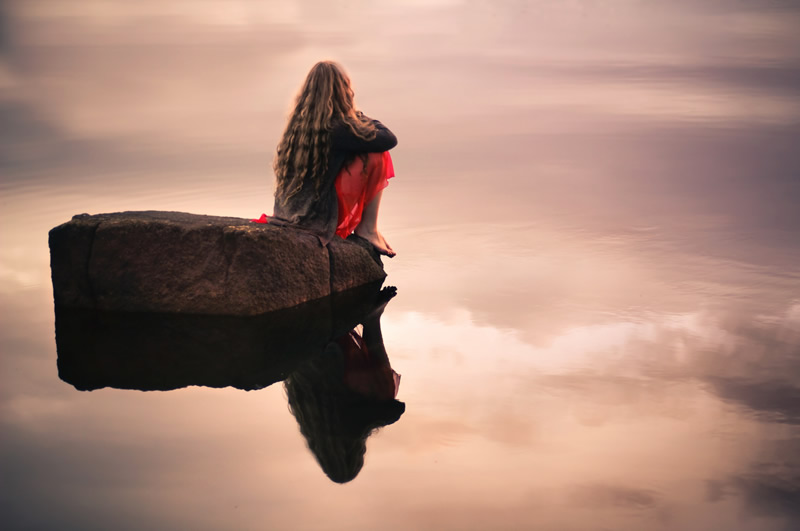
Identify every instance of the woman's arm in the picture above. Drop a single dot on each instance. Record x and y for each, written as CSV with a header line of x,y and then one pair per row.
x,y
343,139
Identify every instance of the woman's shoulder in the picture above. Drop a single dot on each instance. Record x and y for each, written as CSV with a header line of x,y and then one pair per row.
x,y
339,127
343,137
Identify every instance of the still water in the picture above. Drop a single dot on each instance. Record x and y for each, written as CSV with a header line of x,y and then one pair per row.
x,y
597,318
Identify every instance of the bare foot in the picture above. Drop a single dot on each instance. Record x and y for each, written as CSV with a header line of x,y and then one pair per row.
x,y
385,243
377,240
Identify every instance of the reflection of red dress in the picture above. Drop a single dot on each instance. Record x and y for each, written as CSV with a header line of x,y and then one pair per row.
x,y
356,188
364,373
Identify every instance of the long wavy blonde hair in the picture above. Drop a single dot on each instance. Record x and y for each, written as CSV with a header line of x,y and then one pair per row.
x,y
325,99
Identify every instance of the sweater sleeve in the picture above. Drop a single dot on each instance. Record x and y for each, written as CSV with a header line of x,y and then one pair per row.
x,y
343,139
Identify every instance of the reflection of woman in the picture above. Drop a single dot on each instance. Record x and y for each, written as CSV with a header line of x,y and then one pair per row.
x,y
332,162
340,397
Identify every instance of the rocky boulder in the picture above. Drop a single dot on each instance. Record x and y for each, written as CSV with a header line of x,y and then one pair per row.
x,y
187,263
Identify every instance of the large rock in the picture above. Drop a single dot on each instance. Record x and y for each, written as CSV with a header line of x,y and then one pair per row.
x,y
177,262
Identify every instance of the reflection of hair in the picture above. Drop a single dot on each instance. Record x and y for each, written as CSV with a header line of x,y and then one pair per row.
x,y
326,97
335,420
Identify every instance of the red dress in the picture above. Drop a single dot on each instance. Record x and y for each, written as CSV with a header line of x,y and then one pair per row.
x,y
356,187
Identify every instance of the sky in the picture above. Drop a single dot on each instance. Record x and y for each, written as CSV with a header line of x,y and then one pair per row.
x,y
146,83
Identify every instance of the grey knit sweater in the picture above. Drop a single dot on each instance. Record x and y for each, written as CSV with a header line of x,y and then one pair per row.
x,y
319,213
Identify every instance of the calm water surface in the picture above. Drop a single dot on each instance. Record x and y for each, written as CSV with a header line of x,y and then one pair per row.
x,y
598,234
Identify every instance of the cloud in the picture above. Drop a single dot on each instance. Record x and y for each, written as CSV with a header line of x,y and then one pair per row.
x,y
768,487
770,495
769,400
603,496
777,78
622,369
36,150
5,31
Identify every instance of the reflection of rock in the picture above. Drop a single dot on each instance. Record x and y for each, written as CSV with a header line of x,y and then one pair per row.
x,y
151,351
176,262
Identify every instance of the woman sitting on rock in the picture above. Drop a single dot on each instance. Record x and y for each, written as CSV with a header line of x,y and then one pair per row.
x,y
332,162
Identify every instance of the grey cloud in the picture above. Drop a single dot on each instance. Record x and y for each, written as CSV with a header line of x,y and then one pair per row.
x,y
769,487
775,78
770,495
35,150
716,490
754,368
770,400
5,30
609,496
21,124
85,477
742,6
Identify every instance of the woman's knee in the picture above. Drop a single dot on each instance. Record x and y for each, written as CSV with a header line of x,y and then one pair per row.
x,y
374,162
375,157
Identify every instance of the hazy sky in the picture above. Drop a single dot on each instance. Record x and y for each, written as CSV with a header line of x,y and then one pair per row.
x,y
157,77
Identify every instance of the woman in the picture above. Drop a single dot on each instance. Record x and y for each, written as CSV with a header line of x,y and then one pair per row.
x,y
332,162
